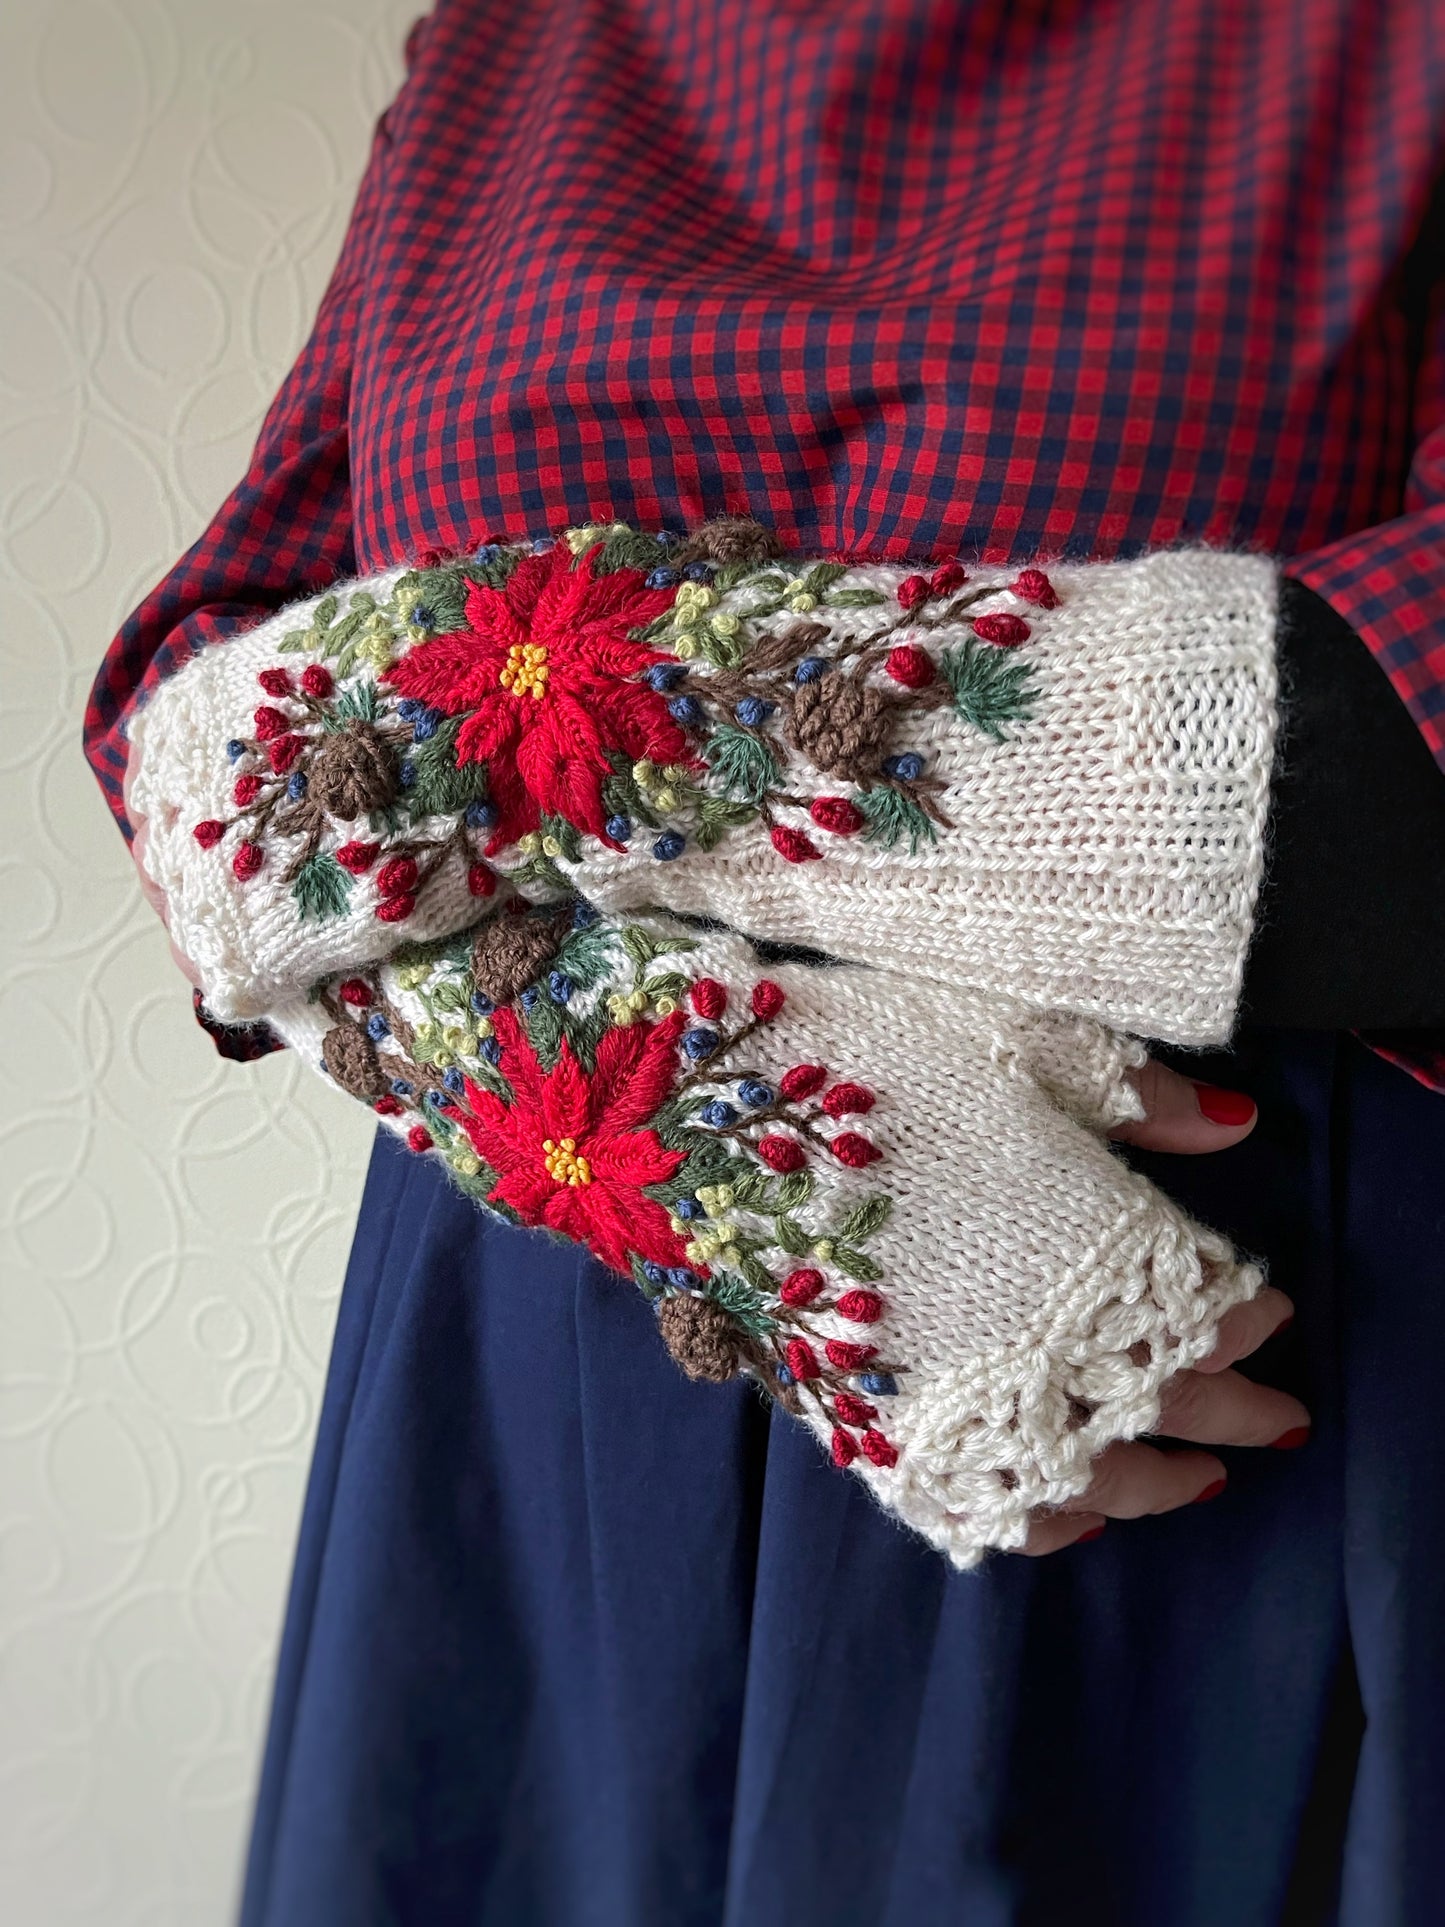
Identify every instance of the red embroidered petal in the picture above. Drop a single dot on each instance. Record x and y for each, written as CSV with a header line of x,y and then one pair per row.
x,y
622,1103
636,1159
507,1139
566,1099
451,673
519,1065
528,1190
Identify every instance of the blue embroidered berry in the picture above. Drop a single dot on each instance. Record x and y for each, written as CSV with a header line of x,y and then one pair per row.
x,y
406,775
296,785
454,1080
783,1375
752,711
422,616
907,768
559,987
426,725
491,1050
434,1098
585,914
377,1027
400,1087
663,579
686,710
655,1274
235,748
488,552
481,1006
810,668
878,1384
754,1094
619,828
699,1043
669,845
682,1278
699,572
530,996
665,675
718,1114
481,816
688,1208
409,709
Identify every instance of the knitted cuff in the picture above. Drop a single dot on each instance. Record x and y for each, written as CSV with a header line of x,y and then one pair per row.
x,y
850,1187
1054,782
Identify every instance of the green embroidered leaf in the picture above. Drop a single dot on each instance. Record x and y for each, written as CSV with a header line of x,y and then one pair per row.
x,y
346,630
743,1300
622,797
771,581
324,613
544,1028
854,598
346,661
866,1218
293,640
495,573
744,764
794,1190
856,1264
890,815
322,889
565,835
750,1192
643,949
716,816
439,786
757,1273
541,872
791,1236
444,599
629,549
586,1033
726,651
360,702
643,1283
668,983
821,577
450,995
991,687
454,949
586,955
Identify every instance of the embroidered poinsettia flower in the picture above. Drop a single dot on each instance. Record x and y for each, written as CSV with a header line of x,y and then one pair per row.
x,y
574,1152
548,681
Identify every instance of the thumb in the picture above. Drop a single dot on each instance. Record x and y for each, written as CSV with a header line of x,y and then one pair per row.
x,y
1185,1116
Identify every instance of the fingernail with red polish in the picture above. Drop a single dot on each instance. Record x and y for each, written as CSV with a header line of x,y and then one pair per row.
x,y
1094,1532
1291,1440
1223,1107
1210,1492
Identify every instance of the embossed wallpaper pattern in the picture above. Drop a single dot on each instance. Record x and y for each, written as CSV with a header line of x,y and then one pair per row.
x,y
174,180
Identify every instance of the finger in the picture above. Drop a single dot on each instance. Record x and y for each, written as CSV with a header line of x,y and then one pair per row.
x,y
1052,1531
1132,1480
1227,1409
1244,1328
1184,1116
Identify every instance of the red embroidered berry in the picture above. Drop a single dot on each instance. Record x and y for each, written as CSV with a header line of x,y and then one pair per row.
x,y
802,1359
481,879
209,833
861,1307
912,590
394,879
357,992
282,753
709,997
849,1358
1034,586
1002,629
782,1153
851,1148
247,861
882,1451
854,1411
316,680
848,1100
802,1080
275,682
357,857
912,667
845,1447
269,723
433,558
768,999
800,1288
396,909
418,1138
951,576
388,1106
838,814
247,789
793,845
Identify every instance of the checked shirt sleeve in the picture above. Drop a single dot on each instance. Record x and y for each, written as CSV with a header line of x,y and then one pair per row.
x,y
1051,783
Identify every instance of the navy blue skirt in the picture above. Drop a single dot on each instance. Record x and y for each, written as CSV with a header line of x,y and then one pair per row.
x,y
573,1642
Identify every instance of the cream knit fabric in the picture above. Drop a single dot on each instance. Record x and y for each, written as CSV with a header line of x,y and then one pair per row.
x,y
1059,790
890,1202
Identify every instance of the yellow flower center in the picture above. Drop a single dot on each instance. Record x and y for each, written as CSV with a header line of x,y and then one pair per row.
x,y
525,670
563,1164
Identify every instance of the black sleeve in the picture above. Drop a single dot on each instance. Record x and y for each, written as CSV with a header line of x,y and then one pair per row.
x,y
1351,927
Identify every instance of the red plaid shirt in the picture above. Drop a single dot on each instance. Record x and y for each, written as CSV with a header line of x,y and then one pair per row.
x,y
898,277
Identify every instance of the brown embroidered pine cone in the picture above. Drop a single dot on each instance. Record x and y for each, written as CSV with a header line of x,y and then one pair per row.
x,y
702,1338
510,953
729,538
841,725
353,772
350,1056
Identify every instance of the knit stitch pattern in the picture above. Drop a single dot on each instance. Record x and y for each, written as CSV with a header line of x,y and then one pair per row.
x,y
1051,781
888,1203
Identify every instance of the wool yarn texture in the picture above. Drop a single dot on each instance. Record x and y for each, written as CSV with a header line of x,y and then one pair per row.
x,y
1048,779
888,1203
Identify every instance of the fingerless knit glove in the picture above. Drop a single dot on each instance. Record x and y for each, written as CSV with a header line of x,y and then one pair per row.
x,y
887,1202
993,778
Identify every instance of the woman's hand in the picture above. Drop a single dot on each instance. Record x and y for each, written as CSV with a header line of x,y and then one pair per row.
x,y
151,891
1211,1405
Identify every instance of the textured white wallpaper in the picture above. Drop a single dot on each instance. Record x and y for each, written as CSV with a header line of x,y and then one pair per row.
x,y
174,180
